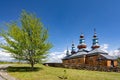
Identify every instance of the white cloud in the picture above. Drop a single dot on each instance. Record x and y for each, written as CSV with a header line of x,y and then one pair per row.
x,y
4,56
56,56
2,40
104,47
116,52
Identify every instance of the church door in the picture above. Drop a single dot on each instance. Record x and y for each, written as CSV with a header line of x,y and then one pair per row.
x,y
112,63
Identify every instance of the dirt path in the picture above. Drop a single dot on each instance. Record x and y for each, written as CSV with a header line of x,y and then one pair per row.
x,y
3,74
1,78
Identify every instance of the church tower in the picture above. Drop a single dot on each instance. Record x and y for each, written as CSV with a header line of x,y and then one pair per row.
x,y
73,49
67,52
82,44
95,43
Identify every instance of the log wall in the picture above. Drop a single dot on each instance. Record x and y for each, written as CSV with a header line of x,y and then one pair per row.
x,y
89,60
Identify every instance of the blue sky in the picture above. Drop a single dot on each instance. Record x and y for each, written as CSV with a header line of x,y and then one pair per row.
x,y
67,19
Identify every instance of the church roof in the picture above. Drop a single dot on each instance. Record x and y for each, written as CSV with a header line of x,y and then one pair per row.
x,y
66,57
109,57
80,53
97,50
83,52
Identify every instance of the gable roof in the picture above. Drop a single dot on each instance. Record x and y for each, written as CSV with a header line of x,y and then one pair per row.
x,y
109,57
83,52
66,57
80,53
97,50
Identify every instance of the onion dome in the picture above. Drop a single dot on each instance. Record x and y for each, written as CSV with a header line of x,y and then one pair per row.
x,y
82,44
95,41
67,52
73,49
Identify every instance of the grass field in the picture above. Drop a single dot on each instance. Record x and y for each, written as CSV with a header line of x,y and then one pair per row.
x,y
23,72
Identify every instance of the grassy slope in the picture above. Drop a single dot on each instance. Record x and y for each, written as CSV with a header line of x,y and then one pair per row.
x,y
51,73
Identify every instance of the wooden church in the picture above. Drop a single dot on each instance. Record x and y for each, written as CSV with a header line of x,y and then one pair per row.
x,y
83,58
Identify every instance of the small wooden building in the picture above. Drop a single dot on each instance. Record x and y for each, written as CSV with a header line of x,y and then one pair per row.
x,y
94,58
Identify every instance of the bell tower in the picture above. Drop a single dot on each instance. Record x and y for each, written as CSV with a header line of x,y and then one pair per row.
x,y
95,43
73,48
82,44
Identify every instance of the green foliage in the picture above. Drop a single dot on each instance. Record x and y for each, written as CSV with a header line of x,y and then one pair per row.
x,y
118,59
118,62
64,76
27,40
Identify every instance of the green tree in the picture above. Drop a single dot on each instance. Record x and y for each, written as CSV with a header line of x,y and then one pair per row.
x,y
27,40
118,59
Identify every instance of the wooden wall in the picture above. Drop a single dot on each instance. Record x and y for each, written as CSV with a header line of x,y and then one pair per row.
x,y
92,60
74,61
115,63
89,60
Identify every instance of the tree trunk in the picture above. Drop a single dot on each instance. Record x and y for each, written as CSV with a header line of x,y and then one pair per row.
x,y
32,65
31,59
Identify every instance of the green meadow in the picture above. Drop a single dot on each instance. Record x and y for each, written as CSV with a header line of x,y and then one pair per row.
x,y
41,72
